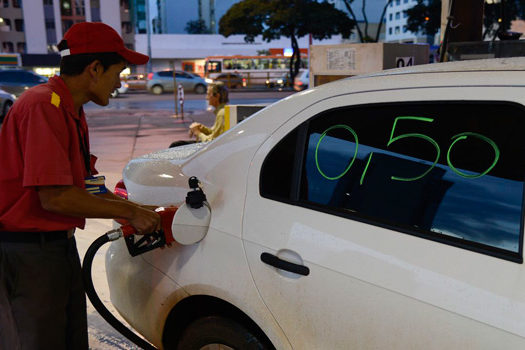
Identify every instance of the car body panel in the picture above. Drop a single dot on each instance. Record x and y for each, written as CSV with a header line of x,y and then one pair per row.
x,y
16,81
6,101
400,270
369,286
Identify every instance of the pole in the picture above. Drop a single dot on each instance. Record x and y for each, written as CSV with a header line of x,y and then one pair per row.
x,y
148,31
175,88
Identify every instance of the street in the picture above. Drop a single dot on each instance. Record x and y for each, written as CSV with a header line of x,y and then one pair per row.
x,y
131,125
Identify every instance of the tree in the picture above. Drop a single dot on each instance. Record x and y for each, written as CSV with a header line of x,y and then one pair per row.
x,y
197,27
424,17
290,18
497,18
364,37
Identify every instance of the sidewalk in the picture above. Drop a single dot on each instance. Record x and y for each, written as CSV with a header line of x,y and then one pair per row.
x,y
117,136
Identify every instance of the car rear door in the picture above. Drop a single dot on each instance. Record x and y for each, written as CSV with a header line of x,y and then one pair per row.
x,y
393,220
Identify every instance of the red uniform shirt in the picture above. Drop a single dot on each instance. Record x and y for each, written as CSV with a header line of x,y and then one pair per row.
x,y
40,145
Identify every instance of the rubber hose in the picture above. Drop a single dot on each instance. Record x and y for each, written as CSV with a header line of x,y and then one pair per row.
x,y
97,303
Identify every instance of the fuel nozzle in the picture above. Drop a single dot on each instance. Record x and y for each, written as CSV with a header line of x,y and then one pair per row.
x,y
138,244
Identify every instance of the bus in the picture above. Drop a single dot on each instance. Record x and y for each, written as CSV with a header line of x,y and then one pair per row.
x,y
254,70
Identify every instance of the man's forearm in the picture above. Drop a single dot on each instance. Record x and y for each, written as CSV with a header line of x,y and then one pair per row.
x,y
75,201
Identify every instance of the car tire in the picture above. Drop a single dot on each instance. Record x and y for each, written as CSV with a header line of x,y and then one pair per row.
x,y
7,106
200,89
219,330
157,89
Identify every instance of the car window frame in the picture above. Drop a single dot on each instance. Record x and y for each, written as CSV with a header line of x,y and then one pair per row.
x,y
300,158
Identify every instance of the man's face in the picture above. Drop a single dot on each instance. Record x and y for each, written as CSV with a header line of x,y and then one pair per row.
x,y
106,82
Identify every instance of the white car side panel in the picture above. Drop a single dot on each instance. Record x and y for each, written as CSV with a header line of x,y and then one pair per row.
x,y
197,270
132,279
479,295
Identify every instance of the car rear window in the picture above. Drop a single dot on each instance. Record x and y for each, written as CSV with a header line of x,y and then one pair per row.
x,y
448,171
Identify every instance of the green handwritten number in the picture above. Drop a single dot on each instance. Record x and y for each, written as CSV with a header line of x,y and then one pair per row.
x,y
463,136
420,136
339,126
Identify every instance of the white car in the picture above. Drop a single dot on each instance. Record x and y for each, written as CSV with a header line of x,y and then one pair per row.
x,y
121,90
376,212
302,80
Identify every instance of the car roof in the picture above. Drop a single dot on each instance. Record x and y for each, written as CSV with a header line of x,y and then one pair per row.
x,y
492,64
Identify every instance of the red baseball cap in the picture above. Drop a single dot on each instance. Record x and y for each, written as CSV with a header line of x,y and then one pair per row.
x,y
93,37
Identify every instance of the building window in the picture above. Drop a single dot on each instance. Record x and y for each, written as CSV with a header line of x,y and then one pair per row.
x,y
65,9
7,46
48,2
390,17
79,8
405,1
126,27
398,16
19,25
6,3
17,3
405,15
404,29
21,47
398,2
95,11
5,26
397,30
390,30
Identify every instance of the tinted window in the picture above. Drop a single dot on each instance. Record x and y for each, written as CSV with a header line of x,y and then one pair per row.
x,y
20,77
446,171
165,73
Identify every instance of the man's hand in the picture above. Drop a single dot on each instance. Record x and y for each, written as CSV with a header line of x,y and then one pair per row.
x,y
145,221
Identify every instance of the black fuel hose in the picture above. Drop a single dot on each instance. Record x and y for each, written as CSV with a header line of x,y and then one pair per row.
x,y
97,303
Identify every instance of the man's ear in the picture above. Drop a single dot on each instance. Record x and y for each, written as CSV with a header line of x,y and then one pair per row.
x,y
94,68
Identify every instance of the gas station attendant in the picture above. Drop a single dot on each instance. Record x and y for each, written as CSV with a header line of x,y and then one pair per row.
x,y
48,186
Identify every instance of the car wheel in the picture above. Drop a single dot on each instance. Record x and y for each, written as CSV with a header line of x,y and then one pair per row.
x,y
157,89
7,107
200,89
217,332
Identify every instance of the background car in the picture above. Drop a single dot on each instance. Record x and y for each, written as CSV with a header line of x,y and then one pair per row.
x,y
162,81
6,101
121,90
231,80
376,212
302,80
16,81
279,82
136,81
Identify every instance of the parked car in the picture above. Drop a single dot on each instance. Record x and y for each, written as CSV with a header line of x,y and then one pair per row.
x,y
6,101
162,81
302,80
16,81
121,90
231,80
376,212
136,81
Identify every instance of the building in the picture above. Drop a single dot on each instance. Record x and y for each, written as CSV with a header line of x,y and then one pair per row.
x,y
33,28
396,21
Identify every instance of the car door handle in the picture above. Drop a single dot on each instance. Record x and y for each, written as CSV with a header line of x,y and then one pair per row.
x,y
274,261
